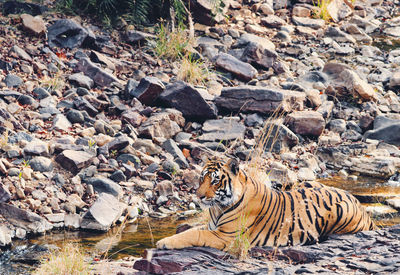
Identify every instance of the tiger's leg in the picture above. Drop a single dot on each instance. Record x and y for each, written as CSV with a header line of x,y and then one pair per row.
x,y
194,237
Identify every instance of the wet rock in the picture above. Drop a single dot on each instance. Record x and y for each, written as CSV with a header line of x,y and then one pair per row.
x,y
27,220
165,124
34,25
104,185
259,99
66,33
13,81
97,74
81,80
103,213
231,64
171,147
148,90
74,161
16,7
180,96
222,129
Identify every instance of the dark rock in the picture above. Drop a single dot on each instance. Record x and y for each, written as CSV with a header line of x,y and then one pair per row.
x,y
103,213
75,116
188,100
259,99
171,147
66,33
40,93
27,100
132,117
148,90
84,105
253,120
126,158
118,143
257,55
130,170
81,80
17,7
5,195
74,161
99,76
25,219
134,36
6,66
388,134
283,140
104,185
204,12
241,70
165,124
13,81
118,176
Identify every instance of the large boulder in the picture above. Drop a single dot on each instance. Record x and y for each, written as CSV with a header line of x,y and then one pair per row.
x,y
67,33
103,213
188,100
24,219
389,132
259,99
222,130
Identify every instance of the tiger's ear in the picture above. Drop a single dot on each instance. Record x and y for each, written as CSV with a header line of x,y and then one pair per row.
x,y
233,165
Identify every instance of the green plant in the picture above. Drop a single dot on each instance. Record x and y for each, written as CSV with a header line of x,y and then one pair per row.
x,y
241,244
25,163
70,259
91,143
172,44
322,11
113,153
193,71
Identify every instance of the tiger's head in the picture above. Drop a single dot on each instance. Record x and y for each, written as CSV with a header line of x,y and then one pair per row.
x,y
219,184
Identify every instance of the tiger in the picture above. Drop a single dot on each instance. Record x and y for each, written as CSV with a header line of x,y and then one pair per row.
x,y
304,215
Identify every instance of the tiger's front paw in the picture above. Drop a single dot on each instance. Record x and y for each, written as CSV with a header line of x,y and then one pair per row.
x,y
169,243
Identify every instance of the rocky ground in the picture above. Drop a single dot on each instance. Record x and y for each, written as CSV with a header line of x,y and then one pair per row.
x,y
95,128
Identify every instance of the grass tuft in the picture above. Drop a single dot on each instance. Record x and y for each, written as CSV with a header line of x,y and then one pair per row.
x,y
69,260
322,11
193,71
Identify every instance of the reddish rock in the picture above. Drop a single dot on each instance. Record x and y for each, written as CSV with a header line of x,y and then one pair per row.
x,y
308,123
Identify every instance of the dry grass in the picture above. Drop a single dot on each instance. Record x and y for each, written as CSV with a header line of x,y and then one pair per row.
x,y
241,245
53,83
322,11
172,45
193,71
69,260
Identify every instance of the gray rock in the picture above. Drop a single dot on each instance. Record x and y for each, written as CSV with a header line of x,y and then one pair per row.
x,y
104,185
5,195
253,120
118,176
259,99
74,161
61,123
84,105
25,219
75,116
308,22
41,164
165,124
36,148
263,42
66,33
103,213
97,74
148,90
181,96
118,143
308,123
21,53
388,134
134,36
125,158
337,125
259,56
395,80
72,221
13,81
171,147
222,130
81,80
40,93
103,128
241,70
